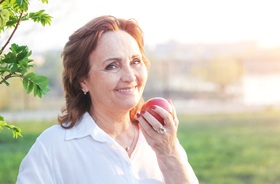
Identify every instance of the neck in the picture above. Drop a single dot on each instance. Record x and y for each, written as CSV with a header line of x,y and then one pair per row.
x,y
114,124
119,127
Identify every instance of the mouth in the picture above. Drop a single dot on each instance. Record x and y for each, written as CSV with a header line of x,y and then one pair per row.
x,y
127,90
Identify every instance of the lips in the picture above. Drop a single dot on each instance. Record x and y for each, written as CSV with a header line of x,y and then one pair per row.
x,y
125,90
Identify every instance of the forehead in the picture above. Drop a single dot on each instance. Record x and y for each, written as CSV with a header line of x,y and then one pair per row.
x,y
115,44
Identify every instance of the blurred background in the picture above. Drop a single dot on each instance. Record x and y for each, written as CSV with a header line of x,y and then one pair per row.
x,y
219,62
206,55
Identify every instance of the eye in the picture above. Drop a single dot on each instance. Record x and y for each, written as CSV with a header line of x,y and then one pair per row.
x,y
136,61
112,66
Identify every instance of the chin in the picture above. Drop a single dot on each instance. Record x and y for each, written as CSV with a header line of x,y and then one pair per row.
x,y
129,104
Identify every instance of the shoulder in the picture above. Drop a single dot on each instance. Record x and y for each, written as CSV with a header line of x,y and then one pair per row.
x,y
57,133
53,133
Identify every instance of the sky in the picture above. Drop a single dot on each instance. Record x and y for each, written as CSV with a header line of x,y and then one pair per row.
x,y
185,21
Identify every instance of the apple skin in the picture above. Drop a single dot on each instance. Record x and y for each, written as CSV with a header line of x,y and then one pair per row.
x,y
159,101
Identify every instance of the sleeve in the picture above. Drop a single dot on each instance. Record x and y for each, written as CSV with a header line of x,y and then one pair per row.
x,y
35,168
190,170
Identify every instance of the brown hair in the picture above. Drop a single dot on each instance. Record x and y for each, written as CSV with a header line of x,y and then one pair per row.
x,y
75,58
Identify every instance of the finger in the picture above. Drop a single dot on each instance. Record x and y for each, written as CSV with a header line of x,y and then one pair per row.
x,y
167,116
147,132
153,139
176,120
155,124
145,125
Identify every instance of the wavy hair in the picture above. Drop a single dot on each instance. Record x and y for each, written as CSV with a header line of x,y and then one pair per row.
x,y
75,58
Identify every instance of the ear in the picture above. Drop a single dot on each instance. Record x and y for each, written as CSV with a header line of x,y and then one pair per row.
x,y
83,84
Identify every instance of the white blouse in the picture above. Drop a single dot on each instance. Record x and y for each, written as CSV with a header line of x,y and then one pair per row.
x,y
86,154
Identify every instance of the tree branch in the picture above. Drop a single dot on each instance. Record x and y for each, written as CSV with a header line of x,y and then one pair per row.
x,y
9,76
9,39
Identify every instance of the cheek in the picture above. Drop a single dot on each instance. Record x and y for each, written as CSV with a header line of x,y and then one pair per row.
x,y
106,81
143,75
97,81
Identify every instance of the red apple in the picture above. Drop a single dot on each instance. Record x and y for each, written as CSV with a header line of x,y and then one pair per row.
x,y
159,101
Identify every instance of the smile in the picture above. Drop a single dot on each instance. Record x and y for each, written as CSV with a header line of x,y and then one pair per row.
x,y
126,89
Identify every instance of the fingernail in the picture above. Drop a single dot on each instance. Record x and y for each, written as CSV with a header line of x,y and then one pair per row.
x,y
138,115
143,112
153,107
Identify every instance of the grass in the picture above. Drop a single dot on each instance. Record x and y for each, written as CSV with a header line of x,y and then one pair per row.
x,y
239,148
12,150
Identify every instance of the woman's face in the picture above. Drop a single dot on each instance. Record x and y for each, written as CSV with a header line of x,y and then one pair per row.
x,y
117,75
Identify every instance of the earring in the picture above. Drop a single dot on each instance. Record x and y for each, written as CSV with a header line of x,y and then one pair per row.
x,y
85,92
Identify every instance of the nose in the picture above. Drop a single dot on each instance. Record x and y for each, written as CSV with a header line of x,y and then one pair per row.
x,y
128,74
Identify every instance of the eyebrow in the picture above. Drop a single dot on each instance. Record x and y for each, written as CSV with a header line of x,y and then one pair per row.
x,y
119,59
112,59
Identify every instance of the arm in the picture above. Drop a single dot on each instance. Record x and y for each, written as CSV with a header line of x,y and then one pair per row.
x,y
171,156
176,168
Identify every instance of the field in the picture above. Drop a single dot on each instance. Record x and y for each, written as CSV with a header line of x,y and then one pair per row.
x,y
237,148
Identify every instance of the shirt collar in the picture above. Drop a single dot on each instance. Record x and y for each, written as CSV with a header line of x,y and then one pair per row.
x,y
86,126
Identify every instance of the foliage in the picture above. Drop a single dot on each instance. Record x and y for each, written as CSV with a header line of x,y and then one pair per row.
x,y
16,131
16,62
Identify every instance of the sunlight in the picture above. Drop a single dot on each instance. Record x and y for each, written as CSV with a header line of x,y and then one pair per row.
x,y
188,21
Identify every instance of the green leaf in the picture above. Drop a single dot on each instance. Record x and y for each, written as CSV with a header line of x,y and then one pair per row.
x,y
22,5
31,76
16,131
2,119
15,48
22,53
9,58
4,17
25,83
30,87
35,83
12,21
24,63
41,17
41,80
14,68
45,1
36,90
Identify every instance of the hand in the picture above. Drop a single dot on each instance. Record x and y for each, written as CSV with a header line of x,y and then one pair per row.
x,y
162,138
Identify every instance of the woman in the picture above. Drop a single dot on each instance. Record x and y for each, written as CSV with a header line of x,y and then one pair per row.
x,y
103,137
